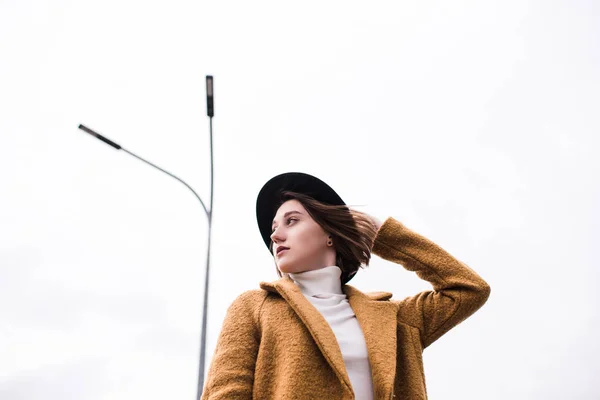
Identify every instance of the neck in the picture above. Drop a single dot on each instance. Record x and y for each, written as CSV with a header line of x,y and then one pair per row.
x,y
324,280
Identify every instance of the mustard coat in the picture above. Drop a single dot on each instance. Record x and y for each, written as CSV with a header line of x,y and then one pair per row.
x,y
274,344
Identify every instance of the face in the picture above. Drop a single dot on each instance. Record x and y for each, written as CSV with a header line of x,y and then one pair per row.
x,y
306,241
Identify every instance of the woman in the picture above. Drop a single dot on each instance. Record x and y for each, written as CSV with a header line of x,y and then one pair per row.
x,y
309,335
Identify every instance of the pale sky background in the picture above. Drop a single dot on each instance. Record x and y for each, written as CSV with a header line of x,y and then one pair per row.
x,y
474,123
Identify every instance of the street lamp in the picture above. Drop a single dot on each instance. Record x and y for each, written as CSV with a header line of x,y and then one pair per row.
x,y
210,112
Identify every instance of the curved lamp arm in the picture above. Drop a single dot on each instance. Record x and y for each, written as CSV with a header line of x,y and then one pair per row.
x,y
118,147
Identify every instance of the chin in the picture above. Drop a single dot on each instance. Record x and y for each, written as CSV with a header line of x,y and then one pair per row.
x,y
286,268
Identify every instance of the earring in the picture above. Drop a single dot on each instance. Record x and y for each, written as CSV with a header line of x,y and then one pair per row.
x,y
329,242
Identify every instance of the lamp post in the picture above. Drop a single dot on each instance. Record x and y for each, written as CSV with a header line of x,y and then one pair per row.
x,y
208,212
210,112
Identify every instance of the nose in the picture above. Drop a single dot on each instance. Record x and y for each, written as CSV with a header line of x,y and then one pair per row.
x,y
275,236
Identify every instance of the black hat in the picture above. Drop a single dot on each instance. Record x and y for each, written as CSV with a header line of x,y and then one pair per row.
x,y
269,199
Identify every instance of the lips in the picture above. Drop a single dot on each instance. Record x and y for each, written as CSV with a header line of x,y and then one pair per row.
x,y
282,248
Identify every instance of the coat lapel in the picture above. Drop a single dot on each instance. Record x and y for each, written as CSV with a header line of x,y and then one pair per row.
x,y
315,323
377,320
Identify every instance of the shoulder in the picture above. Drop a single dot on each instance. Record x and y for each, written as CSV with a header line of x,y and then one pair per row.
x,y
246,306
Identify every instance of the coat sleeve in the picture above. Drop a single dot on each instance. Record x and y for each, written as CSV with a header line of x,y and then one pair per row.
x,y
231,372
457,293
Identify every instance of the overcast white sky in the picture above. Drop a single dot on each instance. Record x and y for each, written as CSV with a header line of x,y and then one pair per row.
x,y
474,123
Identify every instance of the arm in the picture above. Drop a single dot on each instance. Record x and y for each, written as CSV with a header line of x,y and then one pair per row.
x,y
457,290
231,373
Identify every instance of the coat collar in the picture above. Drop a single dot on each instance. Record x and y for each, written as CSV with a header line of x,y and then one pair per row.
x,y
376,317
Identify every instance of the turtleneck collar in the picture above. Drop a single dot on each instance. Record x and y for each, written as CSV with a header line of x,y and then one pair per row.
x,y
324,280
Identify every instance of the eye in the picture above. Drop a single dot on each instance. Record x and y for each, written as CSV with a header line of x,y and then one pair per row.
x,y
288,220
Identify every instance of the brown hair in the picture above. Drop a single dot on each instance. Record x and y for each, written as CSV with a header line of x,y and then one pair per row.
x,y
352,231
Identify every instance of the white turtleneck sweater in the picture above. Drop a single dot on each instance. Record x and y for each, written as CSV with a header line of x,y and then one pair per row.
x,y
323,288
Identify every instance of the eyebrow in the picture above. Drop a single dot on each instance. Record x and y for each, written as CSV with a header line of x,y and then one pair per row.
x,y
286,214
